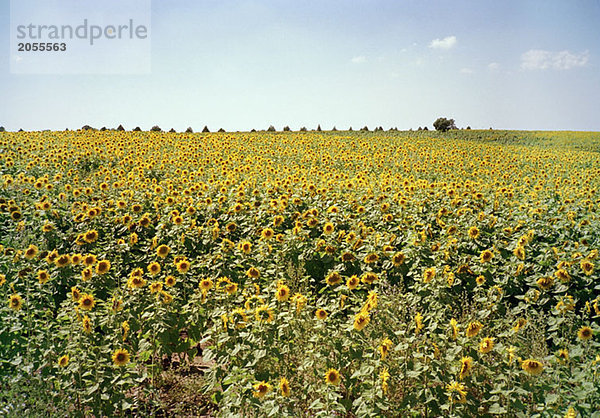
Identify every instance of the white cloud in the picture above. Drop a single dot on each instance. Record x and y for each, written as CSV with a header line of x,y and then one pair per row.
x,y
446,43
466,71
359,59
539,59
493,66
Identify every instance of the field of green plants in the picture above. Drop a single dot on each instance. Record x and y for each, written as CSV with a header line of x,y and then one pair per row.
x,y
300,274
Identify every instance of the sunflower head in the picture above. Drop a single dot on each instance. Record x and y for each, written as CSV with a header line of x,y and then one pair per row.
x,y
63,361
15,302
333,377
284,387
532,367
361,320
120,357
585,333
86,302
261,389
321,314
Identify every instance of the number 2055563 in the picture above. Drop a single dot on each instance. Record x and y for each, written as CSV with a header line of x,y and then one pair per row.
x,y
42,46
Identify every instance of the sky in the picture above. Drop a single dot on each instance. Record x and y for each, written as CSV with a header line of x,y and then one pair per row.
x,y
247,64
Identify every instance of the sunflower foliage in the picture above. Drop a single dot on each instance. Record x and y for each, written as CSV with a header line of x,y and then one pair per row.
x,y
309,273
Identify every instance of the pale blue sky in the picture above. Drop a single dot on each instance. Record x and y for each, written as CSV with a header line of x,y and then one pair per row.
x,y
248,64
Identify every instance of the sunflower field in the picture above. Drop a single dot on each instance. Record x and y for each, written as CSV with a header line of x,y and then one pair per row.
x,y
309,273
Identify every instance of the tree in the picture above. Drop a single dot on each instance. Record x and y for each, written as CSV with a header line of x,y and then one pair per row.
x,y
155,128
221,130
120,128
2,129
286,129
172,130
137,129
319,128
443,124
303,129
189,130
205,130
271,128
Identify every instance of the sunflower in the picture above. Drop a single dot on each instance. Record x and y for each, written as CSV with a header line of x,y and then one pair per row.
x,y
163,250
155,287
486,256
239,318
120,357
473,232
486,345
31,252
333,377
125,328
136,282
231,288
153,268
418,322
384,376
230,227
328,228
585,333
587,267
267,233
283,293
15,302
278,220
352,282
473,329
562,275
264,314
90,236
76,259
519,252
545,283
480,280
371,258
385,347
429,274
300,301
116,304
261,389
284,387
456,392
321,314
86,302
86,322
519,324
63,260
253,273
165,297
89,260
245,247
75,294
466,364
63,361
398,259
532,367
563,355
333,278
369,277
103,267
454,325
347,257
183,266
361,320
43,276
205,285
